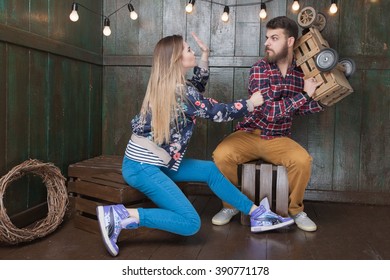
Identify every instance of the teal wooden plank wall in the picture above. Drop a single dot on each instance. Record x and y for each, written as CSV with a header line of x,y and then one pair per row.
x,y
349,142
51,76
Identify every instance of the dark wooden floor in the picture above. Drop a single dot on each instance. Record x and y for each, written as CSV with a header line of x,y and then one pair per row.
x,y
345,232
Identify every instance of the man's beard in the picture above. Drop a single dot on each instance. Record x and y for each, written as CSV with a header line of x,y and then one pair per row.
x,y
277,56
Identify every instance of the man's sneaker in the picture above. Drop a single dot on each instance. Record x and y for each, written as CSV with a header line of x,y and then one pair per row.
x,y
112,219
263,219
304,222
224,216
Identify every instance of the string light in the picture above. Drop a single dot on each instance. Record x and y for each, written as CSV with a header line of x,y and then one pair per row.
x,y
333,8
263,11
190,6
133,14
107,29
295,5
74,16
225,15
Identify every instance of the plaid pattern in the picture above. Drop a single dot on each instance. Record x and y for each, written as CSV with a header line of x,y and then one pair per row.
x,y
283,98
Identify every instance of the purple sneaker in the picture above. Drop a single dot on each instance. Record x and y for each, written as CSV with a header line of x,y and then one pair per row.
x,y
263,219
112,219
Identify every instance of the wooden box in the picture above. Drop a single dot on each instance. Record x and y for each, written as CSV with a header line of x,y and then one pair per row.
x,y
335,85
260,179
98,181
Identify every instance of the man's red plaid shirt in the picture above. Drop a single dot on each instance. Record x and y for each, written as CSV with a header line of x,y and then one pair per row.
x,y
283,98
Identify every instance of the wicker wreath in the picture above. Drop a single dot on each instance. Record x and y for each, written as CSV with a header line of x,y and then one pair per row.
x,y
57,200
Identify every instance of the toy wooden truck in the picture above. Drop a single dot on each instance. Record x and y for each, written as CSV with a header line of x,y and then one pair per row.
x,y
318,60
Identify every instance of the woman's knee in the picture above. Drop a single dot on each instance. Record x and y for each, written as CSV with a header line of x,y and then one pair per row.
x,y
193,226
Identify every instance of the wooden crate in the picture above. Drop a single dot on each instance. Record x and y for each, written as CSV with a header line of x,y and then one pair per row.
x,y
260,179
335,85
98,181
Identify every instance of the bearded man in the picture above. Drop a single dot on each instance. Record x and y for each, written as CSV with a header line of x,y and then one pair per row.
x,y
265,133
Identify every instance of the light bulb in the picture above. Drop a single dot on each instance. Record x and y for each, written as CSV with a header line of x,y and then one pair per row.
x,y
333,8
263,14
106,29
74,16
133,14
225,15
263,11
189,8
295,5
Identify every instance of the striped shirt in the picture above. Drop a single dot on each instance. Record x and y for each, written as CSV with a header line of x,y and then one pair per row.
x,y
140,154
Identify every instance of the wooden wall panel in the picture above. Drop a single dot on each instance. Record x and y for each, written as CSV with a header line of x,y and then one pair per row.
x,y
3,14
348,121
221,88
95,110
375,133
150,25
3,107
174,19
18,13
39,93
39,17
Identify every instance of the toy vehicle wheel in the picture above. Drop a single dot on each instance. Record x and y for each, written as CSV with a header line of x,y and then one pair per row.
x,y
307,17
326,59
349,66
320,21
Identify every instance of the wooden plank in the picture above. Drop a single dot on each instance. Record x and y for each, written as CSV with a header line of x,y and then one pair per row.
x,y
95,112
265,183
282,191
96,165
38,113
348,122
3,106
39,18
222,33
151,22
108,193
29,40
375,134
174,17
3,12
17,106
248,186
18,14
221,89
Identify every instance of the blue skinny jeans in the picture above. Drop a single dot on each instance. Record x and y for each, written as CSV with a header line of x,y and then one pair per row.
x,y
175,213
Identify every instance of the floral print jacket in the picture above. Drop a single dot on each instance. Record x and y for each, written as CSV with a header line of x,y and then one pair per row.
x,y
196,105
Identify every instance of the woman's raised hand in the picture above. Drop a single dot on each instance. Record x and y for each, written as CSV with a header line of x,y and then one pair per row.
x,y
202,46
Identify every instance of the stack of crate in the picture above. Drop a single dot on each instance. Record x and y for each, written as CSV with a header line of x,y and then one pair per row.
x,y
335,85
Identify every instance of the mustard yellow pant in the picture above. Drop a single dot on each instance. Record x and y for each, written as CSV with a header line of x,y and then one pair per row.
x,y
240,147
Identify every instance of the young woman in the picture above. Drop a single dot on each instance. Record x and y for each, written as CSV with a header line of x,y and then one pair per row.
x,y
154,161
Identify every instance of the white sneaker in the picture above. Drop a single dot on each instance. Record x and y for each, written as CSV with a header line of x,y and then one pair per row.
x,y
224,216
304,222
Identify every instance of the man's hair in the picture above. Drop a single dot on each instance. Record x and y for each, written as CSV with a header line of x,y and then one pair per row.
x,y
283,22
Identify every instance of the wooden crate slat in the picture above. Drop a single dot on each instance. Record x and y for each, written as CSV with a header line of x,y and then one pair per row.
x,y
108,193
282,191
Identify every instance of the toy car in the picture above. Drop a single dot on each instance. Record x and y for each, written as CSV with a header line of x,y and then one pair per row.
x,y
318,60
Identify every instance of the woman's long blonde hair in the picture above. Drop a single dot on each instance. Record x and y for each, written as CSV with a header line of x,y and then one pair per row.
x,y
164,90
